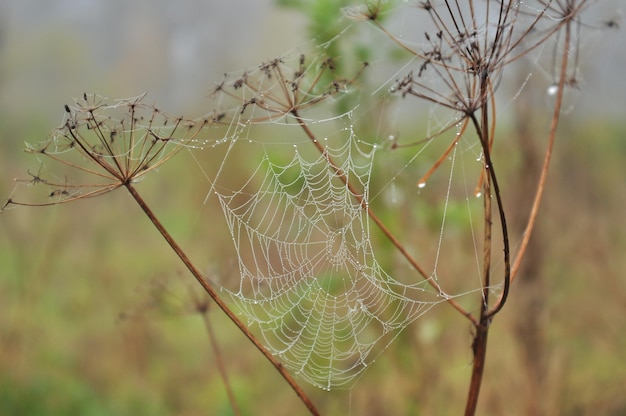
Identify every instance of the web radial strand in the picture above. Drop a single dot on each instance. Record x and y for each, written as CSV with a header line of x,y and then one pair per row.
x,y
310,282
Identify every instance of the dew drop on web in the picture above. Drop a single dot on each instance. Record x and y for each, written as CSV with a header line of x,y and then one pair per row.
x,y
394,195
553,89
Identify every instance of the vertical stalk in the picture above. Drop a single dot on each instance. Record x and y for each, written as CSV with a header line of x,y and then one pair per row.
x,y
548,155
479,344
479,348
490,190
203,308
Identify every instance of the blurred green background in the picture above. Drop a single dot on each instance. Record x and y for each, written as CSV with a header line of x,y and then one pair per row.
x,y
97,316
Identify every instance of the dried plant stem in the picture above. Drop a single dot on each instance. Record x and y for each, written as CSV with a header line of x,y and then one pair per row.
x,y
479,347
342,176
480,340
479,344
490,189
219,362
218,300
547,157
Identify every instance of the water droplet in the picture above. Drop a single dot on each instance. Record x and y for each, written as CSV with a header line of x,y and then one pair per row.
x,y
421,184
553,89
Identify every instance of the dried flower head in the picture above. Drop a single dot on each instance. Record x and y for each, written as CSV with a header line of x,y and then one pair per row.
x,y
278,88
103,145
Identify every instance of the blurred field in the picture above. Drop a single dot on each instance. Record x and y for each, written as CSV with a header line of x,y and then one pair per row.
x,y
98,317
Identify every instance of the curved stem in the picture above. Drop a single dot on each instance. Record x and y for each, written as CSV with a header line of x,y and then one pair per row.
x,y
490,186
480,340
218,300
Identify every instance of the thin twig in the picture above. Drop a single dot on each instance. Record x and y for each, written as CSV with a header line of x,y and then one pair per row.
x,y
548,155
204,310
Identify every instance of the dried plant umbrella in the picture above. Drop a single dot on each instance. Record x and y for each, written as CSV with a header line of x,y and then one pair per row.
x,y
104,145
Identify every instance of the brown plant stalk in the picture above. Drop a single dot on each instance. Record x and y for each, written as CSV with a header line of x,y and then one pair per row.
x,y
202,307
556,116
218,300
399,246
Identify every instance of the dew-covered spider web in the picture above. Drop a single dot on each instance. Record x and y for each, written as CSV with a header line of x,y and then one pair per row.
x,y
352,206
299,209
310,281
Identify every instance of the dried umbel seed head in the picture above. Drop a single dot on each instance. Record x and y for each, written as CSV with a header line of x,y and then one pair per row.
x,y
105,144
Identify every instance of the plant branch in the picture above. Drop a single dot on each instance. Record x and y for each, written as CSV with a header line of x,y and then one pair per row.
x,y
218,300
343,177
479,348
218,359
534,211
490,185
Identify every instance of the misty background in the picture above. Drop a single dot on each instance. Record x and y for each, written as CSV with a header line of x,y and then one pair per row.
x,y
51,51
62,287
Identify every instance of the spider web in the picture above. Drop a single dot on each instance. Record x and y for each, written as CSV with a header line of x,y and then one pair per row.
x,y
310,281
